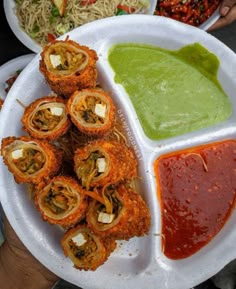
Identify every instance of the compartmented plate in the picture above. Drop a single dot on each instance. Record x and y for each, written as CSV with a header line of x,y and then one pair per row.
x,y
138,263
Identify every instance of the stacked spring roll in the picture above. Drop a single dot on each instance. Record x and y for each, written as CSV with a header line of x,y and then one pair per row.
x,y
122,215
86,250
95,202
46,118
30,160
104,162
92,111
68,66
62,201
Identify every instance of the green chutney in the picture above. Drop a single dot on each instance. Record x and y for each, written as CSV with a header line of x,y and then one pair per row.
x,y
173,92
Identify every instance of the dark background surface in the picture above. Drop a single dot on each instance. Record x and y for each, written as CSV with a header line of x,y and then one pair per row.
x,y
11,47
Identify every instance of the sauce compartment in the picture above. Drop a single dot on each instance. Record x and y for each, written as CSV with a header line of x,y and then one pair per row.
x,y
196,191
217,242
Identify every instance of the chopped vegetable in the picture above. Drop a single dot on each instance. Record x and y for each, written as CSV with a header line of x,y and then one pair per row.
x,y
63,28
55,12
51,37
124,8
88,2
61,7
34,31
121,12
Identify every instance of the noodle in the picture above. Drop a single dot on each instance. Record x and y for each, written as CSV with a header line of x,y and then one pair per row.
x,y
74,139
39,22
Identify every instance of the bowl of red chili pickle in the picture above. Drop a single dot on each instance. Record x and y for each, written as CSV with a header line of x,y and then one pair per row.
x,y
198,13
197,191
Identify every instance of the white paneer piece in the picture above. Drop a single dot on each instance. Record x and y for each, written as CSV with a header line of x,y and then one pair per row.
x,y
17,154
79,240
105,218
55,60
100,109
56,111
101,165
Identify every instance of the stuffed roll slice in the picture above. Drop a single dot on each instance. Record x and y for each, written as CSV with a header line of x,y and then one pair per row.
x,y
46,118
62,201
92,111
30,160
86,250
123,214
68,66
104,162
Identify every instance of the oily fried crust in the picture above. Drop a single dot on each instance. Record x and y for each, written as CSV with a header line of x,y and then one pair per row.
x,y
1,103
123,164
60,129
94,129
134,218
50,168
74,214
66,85
101,252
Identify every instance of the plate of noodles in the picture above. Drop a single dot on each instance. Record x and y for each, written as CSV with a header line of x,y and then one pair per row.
x,y
35,23
117,145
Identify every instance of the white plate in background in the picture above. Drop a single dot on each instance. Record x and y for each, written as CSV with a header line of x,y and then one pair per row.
x,y
9,69
138,263
210,21
9,8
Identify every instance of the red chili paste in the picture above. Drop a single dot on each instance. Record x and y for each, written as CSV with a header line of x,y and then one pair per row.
x,y
197,190
192,12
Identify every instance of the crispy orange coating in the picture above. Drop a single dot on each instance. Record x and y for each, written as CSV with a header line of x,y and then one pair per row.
x,y
69,76
30,160
82,107
131,215
40,120
1,103
120,163
90,255
62,201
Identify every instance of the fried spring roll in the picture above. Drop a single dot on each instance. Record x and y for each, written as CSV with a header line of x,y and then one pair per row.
x,y
123,215
68,66
104,162
92,111
62,201
46,118
30,160
86,250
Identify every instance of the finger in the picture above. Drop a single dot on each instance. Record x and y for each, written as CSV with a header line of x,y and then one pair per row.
x,y
218,24
226,6
223,21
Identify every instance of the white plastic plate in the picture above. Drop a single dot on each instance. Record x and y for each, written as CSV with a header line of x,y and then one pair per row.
x,y
211,20
138,263
9,8
9,69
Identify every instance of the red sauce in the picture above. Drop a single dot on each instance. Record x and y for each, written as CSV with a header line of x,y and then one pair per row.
x,y
197,190
191,12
